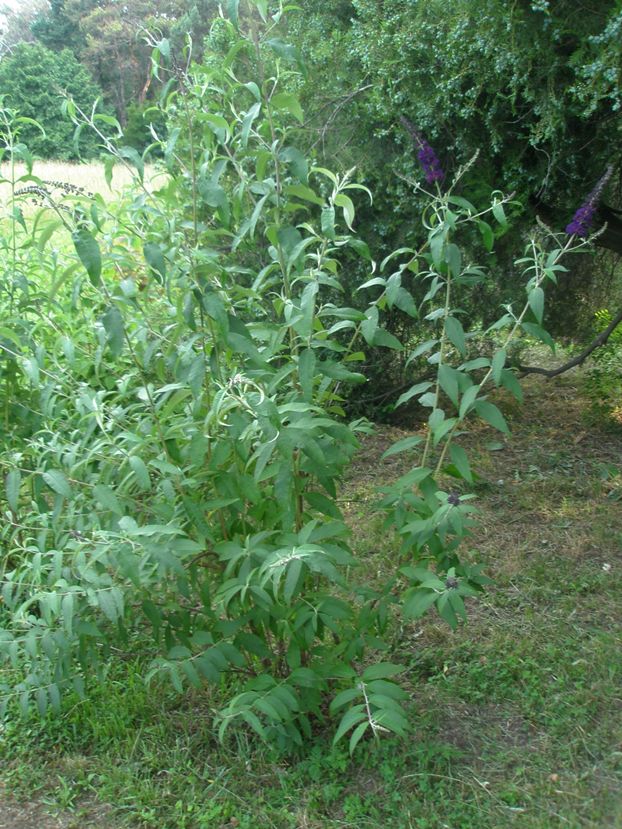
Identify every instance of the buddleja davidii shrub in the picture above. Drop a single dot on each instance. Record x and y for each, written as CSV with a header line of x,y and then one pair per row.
x,y
33,335
25,271
277,361
432,515
198,491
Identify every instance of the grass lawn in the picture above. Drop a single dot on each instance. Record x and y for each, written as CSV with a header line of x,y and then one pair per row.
x,y
517,717
90,176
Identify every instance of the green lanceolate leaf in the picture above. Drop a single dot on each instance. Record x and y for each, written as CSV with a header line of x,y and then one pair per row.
x,y
287,52
55,479
12,484
347,205
352,717
297,163
497,364
468,399
536,302
232,11
247,123
370,325
328,222
107,498
455,334
115,329
356,735
155,259
141,473
382,670
539,333
453,257
288,102
499,213
448,379
417,601
88,250
403,445
510,382
461,461
491,414
488,235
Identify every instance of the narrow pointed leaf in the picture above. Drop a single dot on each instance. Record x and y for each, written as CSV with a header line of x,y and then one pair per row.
x,y
89,253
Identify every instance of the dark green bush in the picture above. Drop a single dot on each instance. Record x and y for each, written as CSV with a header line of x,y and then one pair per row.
x,y
137,131
34,79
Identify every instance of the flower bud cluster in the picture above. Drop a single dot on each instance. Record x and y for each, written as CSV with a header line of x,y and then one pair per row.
x,y
427,157
584,217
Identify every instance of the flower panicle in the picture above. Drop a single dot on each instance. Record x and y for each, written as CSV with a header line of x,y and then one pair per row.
x,y
584,216
427,157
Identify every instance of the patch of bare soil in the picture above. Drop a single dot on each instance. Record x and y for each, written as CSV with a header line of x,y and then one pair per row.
x,y
27,816
37,815
468,727
541,478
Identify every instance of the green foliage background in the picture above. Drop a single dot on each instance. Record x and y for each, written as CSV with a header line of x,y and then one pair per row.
x,y
33,80
532,87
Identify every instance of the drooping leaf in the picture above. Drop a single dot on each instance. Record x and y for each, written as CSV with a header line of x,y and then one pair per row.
x,y
356,735
417,602
288,102
468,399
287,52
113,323
448,380
461,461
12,484
298,165
155,259
247,123
328,222
347,205
491,414
393,719
232,11
141,473
511,383
385,339
536,302
453,257
89,253
107,498
57,481
352,717
488,235
539,333
455,334
497,364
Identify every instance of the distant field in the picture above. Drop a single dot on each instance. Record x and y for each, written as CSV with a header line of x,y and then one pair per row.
x,y
90,177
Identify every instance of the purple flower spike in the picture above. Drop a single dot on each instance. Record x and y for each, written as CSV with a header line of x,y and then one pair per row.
x,y
426,155
430,163
584,217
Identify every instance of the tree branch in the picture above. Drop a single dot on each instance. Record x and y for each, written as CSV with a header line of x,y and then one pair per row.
x,y
580,358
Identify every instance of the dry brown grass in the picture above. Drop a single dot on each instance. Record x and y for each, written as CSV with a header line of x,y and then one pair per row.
x,y
539,495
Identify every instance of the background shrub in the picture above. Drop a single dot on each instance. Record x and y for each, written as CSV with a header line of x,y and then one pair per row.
x,y
33,79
